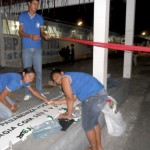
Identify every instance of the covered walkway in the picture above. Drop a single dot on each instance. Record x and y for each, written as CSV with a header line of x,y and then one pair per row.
x,y
135,108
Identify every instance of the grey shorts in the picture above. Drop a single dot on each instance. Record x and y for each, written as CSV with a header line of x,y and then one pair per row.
x,y
91,109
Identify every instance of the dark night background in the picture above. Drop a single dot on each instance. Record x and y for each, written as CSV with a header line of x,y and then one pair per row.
x,y
70,14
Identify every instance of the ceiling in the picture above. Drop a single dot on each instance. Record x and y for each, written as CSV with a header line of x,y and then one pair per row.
x,y
72,13
84,12
10,2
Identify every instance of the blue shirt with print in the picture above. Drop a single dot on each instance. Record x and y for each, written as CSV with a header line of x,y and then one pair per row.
x,y
11,81
31,25
83,85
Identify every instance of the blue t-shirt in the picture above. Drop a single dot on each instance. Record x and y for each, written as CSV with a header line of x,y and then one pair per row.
x,y
83,85
31,25
11,81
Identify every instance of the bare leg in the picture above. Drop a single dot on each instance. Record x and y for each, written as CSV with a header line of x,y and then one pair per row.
x,y
98,137
89,148
92,138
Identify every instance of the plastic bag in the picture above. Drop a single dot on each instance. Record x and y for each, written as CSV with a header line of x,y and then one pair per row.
x,y
65,123
116,126
47,128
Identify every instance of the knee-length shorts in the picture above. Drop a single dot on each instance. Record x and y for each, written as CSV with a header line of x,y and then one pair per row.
x,y
91,109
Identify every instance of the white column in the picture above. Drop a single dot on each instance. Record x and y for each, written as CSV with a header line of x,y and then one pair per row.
x,y
101,31
129,36
2,53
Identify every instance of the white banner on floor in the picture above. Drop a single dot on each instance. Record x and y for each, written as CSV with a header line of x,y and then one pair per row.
x,y
16,128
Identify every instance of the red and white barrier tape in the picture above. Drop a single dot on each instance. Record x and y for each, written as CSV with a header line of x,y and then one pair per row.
x,y
114,46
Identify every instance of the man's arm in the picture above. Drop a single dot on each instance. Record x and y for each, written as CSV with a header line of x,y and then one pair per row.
x,y
23,34
70,98
3,94
37,94
58,102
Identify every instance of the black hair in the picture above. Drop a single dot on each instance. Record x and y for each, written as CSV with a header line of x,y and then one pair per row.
x,y
32,0
29,70
55,71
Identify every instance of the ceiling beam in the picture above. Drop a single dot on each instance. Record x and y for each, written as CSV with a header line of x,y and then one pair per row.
x,y
44,4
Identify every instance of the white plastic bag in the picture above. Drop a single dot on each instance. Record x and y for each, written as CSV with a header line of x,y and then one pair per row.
x,y
116,126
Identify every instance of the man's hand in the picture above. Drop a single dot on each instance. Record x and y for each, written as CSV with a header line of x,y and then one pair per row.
x,y
35,37
46,36
50,102
14,107
53,102
65,115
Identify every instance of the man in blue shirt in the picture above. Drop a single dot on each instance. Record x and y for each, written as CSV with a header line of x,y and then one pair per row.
x,y
93,96
31,29
10,82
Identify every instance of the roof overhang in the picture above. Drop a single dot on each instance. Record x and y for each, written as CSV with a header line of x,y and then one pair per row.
x,y
44,4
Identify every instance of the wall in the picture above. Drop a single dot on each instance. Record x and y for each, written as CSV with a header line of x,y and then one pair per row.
x,y
13,55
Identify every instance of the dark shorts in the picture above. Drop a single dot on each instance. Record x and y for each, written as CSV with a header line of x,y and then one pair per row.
x,y
91,109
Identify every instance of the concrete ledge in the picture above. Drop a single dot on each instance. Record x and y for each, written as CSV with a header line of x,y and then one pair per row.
x,y
121,91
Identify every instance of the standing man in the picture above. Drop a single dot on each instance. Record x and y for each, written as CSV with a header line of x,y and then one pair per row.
x,y
72,54
31,28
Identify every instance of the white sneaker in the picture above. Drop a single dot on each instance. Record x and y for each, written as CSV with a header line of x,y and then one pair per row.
x,y
27,97
43,95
